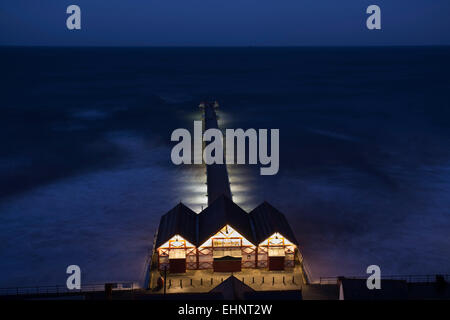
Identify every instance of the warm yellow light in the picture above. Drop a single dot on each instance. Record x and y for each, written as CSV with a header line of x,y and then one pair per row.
x,y
176,241
276,239
226,233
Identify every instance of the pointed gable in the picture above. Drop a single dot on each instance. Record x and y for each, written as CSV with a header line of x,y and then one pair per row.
x,y
223,211
179,221
267,220
232,289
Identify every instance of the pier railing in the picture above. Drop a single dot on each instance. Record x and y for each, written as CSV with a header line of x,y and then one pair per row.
x,y
257,282
63,290
408,278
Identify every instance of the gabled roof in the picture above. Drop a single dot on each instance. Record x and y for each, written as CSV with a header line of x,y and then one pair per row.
x,y
180,220
223,211
267,220
232,289
255,226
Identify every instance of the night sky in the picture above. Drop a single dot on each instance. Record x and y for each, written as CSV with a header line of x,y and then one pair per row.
x,y
224,23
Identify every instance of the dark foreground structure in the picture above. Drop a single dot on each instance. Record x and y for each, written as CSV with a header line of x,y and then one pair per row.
x,y
233,288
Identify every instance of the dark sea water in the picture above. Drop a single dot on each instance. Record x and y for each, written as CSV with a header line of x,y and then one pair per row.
x,y
85,170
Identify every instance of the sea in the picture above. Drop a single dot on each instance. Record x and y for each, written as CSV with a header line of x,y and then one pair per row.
x,y
85,144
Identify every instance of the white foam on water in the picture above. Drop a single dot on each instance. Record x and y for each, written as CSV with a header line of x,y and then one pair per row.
x,y
103,221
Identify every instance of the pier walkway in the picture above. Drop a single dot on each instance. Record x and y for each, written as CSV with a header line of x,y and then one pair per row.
x,y
217,174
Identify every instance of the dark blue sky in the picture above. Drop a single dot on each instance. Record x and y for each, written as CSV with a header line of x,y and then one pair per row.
x,y
220,22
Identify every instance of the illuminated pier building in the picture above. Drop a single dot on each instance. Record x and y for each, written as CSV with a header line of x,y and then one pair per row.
x,y
223,238
223,252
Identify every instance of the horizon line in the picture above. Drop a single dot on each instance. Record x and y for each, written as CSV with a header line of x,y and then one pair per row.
x,y
224,46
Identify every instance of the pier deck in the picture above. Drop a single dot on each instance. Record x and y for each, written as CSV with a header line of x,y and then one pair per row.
x,y
201,281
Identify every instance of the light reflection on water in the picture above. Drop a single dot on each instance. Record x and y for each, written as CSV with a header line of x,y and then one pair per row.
x,y
194,192
370,181
193,188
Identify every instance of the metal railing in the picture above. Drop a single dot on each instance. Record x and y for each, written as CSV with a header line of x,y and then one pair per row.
x,y
408,278
63,290
260,281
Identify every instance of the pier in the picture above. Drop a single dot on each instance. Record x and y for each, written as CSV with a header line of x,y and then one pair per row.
x,y
224,252
217,174
196,252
